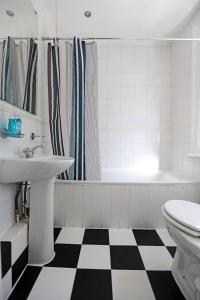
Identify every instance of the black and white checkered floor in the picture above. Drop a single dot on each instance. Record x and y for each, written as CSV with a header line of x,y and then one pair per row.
x,y
101,264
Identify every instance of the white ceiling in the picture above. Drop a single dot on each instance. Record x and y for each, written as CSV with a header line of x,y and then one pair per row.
x,y
125,18
24,22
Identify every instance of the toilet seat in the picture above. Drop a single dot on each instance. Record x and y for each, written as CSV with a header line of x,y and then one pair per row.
x,y
184,215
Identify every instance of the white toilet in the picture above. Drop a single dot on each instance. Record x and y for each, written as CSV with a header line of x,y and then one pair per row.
x,y
183,223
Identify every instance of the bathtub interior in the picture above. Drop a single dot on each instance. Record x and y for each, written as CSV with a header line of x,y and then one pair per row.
x,y
125,176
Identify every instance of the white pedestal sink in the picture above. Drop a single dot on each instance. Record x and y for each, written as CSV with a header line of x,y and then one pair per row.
x,y
41,172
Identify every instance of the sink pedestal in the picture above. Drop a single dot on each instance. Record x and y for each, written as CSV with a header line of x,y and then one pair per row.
x,y
41,240
41,171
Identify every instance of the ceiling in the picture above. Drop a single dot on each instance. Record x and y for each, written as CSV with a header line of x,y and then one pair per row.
x,y
110,18
125,18
24,22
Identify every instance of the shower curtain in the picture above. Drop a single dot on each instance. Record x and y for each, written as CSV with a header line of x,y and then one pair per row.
x,y
79,107
83,107
30,94
19,73
92,157
7,74
77,130
13,71
53,65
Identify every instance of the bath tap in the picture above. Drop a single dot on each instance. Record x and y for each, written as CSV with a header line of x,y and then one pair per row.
x,y
29,152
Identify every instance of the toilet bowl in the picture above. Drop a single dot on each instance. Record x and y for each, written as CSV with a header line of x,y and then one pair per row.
x,y
182,219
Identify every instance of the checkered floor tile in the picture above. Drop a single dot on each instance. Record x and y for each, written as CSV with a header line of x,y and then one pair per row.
x,y
101,264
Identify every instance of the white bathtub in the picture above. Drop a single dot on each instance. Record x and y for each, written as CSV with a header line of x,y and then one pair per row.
x,y
123,203
126,176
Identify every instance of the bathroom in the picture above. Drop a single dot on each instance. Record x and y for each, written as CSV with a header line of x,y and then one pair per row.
x,y
99,149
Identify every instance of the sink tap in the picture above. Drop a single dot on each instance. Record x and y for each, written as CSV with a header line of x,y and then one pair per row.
x,y
29,152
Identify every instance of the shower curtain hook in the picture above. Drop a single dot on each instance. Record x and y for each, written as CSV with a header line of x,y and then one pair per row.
x,y
55,42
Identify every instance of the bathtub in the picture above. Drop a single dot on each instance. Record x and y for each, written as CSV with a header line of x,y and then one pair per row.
x,y
120,200
125,176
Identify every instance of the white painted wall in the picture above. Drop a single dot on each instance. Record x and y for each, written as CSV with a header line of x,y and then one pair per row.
x,y
134,105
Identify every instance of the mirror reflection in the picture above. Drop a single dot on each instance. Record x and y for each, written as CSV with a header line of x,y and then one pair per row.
x,y
18,54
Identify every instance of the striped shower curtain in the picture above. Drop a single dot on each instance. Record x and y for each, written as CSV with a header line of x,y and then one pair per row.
x,y
18,73
13,71
53,67
84,140
7,82
77,130
30,94
73,102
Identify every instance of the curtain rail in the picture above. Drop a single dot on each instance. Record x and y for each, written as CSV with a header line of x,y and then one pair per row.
x,y
108,38
17,38
123,39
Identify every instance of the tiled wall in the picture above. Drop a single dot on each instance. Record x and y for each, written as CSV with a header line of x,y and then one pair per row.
x,y
134,103
182,107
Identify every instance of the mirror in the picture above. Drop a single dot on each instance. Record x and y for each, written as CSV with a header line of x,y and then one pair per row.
x,y
18,54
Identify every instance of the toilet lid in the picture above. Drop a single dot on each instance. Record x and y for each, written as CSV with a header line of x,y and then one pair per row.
x,y
184,212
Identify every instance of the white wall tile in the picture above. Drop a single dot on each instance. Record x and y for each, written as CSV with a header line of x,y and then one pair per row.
x,y
133,81
181,116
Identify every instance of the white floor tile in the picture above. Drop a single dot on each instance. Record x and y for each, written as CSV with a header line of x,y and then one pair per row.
x,y
94,257
155,257
121,237
53,283
70,236
129,285
165,237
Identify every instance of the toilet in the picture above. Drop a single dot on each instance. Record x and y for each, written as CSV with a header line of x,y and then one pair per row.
x,y
182,219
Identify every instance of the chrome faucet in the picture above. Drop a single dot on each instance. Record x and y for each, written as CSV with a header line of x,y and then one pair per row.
x,y
29,152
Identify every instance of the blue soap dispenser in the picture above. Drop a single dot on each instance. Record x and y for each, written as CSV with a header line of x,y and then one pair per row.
x,y
18,125
12,125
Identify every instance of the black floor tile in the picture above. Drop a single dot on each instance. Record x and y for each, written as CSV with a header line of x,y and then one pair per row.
x,y
56,232
92,285
126,258
172,250
5,257
66,256
19,265
164,286
25,284
147,237
96,237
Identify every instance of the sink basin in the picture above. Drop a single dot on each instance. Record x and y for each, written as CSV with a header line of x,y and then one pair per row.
x,y
41,171
16,169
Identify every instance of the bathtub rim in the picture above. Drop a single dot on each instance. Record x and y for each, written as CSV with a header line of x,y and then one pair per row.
x,y
98,182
